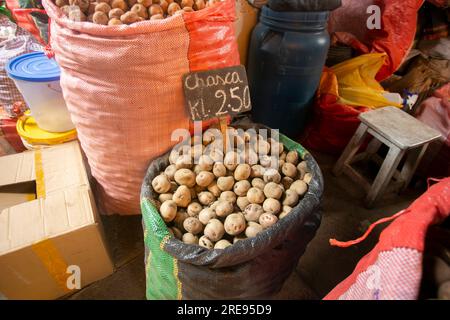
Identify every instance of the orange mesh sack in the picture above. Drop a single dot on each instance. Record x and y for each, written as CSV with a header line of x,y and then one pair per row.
x,y
122,85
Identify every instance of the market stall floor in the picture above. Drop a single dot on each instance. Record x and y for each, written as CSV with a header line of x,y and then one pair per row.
x,y
320,269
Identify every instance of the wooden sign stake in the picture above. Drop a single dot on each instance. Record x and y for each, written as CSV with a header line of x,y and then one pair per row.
x,y
223,122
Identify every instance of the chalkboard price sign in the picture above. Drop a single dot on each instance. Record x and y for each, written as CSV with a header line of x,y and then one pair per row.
x,y
217,93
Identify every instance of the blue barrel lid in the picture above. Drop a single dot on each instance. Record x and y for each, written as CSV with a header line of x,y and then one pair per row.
x,y
34,67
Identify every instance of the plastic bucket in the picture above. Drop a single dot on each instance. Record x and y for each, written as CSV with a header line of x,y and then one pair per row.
x,y
37,79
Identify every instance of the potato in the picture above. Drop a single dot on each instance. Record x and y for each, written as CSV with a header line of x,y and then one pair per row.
x,y
129,17
121,4
242,203
206,215
76,15
292,157
269,162
287,182
272,175
176,233
291,198
303,166
253,229
262,147
170,170
197,169
225,183
187,3
308,178
145,3
222,244
252,212
214,189
131,2
228,196
255,196
276,147
168,210
300,187
205,163
242,172
173,156
250,156
241,188
214,205
224,208
273,190
286,211
140,10
185,177
281,164
235,224
272,206
205,178
82,4
182,197
157,17
114,22
205,243
194,209
257,171
193,225
206,198
180,218
289,170
184,162
219,170
231,160
216,155
200,4
103,7
61,3
210,135
258,183
189,238
173,7
165,196
161,184
214,230
267,220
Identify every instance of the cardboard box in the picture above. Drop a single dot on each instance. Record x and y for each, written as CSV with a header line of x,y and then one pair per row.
x,y
50,232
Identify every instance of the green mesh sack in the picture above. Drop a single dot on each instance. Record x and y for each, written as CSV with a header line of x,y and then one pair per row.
x,y
254,268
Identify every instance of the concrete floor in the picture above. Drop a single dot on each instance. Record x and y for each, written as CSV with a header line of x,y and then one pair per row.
x,y
319,270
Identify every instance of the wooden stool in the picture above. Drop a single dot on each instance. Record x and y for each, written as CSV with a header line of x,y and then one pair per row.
x,y
403,134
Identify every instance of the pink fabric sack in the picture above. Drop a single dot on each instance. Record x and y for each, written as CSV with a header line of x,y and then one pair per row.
x,y
122,85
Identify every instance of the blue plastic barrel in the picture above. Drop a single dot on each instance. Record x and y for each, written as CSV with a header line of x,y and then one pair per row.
x,y
286,58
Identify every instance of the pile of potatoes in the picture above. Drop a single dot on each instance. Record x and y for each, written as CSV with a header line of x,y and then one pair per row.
x,y
116,12
225,198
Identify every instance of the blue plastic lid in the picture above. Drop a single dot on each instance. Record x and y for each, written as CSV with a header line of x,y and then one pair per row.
x,y
34,67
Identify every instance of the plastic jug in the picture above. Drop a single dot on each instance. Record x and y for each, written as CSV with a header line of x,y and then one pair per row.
x,y
286,58
37,79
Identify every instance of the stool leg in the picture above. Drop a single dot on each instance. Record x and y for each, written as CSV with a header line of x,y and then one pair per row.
x,y
383,178
412,162
351,149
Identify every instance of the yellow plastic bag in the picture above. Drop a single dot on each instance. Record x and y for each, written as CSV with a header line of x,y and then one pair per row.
x,y
357,83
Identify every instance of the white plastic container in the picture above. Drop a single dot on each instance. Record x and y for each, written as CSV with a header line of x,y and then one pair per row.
x,y
37,78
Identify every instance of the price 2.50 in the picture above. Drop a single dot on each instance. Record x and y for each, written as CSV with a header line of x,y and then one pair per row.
x,y
235,100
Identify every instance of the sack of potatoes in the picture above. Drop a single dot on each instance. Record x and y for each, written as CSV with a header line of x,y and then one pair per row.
x,y
117,12
252,206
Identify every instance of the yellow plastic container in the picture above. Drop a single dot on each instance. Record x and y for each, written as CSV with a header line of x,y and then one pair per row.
x,y
34,138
